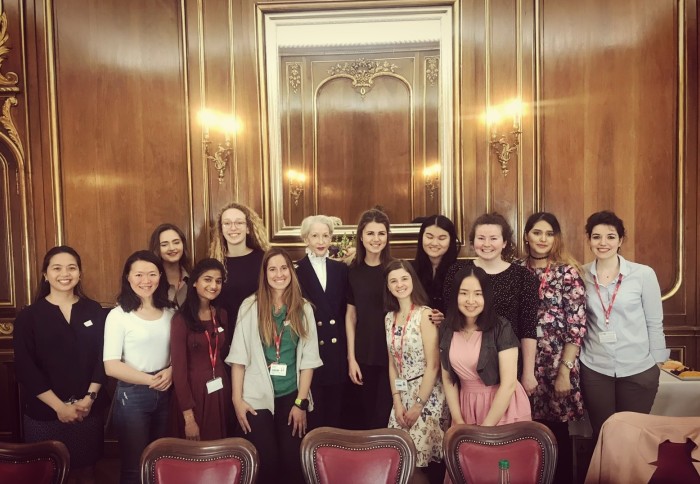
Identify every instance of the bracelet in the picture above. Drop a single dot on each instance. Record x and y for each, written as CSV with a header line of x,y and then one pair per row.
x,y
396,393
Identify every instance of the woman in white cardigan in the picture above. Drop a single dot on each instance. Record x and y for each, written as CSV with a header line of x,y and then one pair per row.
x,y
273,356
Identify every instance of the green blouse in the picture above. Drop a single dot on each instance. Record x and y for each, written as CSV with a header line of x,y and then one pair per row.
x,y
283,385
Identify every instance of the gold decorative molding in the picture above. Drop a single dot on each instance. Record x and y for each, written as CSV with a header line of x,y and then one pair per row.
x,y
432,69
294,76
362,72
9,125
8,82
7,328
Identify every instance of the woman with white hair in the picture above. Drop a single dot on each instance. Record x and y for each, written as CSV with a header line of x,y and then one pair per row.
x,y
324,283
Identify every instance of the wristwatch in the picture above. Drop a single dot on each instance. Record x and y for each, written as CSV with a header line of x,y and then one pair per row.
x,y
92,395
568,364
420,401
302,403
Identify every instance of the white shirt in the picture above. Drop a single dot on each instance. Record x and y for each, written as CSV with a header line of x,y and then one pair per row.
x,y
141,344
319,266
636,319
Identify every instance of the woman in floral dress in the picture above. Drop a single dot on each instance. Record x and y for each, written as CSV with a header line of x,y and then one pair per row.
x,y
414,365
561,327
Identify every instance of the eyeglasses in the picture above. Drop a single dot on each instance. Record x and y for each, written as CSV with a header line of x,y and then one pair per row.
x,y
239,224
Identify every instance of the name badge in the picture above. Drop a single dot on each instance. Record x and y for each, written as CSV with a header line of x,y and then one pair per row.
x,y
401,385
540,332
220,329
215,385
88,323
278,369
608,337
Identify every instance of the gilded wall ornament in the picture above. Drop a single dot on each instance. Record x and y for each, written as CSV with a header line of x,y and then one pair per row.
x,y
294,76
7,328
432,65
8,82
9,124
362,72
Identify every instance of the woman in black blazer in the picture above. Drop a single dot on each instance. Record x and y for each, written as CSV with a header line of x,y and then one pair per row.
x,y
324,283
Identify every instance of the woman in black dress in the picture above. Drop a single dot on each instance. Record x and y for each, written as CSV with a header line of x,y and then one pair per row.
x,y
239,242
58,357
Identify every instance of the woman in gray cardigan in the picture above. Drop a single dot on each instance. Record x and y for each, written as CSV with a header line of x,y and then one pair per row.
x,y
273,356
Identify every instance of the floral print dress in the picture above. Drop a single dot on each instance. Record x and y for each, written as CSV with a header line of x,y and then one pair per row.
x,y
561,320
428,431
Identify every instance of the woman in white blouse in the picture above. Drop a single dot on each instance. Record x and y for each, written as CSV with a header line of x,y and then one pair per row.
x,y
625,337
137,354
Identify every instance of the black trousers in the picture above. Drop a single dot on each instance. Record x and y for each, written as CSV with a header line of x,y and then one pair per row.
x,y
328,401
368,405
280,460
565,460
605,395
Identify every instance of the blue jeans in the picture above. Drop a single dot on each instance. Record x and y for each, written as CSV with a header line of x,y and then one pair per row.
x,y
140,417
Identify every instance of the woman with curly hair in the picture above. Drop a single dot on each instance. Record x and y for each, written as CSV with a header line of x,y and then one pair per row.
x,y
239,242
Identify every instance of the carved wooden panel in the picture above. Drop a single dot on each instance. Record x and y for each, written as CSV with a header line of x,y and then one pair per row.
x,y
362,131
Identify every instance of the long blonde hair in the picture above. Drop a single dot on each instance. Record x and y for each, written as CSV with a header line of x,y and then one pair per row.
x,y
291,298
255,239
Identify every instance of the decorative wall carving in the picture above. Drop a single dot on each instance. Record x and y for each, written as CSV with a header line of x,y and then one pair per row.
x,y
362,72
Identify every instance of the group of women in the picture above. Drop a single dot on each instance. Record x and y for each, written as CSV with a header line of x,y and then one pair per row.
x,y
381,342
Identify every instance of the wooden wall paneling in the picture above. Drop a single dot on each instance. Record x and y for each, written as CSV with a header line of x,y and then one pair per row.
x,y
121,114
9,398
427,200
503,76
474,158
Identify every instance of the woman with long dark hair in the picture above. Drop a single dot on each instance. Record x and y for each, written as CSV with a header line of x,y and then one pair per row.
x,y
561,327
58,361
169,243
437,250
479,356
137,354
364,324
273,356
198,348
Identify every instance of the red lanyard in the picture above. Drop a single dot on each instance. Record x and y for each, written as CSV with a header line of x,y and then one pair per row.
x,y
543,277
278,340
399,352
213,355
608,310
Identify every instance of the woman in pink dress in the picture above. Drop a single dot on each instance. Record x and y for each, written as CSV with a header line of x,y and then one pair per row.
x,y
479,356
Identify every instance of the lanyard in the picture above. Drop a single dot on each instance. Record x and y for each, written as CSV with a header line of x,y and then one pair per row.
x,y
213,355
399,353
278,340
608,310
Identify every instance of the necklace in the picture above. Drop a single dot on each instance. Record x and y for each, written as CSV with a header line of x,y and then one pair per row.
x,y
538,258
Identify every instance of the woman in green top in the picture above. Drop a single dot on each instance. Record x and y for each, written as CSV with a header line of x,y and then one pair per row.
x,y
273,354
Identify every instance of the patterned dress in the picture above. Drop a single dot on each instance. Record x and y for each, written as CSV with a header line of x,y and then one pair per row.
x,y
428,431
561,320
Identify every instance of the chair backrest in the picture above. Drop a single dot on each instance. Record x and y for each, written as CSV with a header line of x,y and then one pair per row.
x,y
336,456
472,452
175,461
39,463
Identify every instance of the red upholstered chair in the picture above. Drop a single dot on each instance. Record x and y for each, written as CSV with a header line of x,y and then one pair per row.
x,y
36,463
336,456
180,461
472,452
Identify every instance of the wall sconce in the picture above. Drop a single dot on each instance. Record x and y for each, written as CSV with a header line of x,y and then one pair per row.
x,y
222,156
505,143
296,181
432,179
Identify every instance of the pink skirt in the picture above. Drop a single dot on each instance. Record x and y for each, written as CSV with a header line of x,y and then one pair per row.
x,y
475,401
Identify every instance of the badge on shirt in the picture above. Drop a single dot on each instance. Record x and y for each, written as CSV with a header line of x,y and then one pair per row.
x,y
278,369
401,385
540,332
88,323
608,337
215,385
220,329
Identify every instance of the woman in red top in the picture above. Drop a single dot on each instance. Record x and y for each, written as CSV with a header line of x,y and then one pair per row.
x,y
197,349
